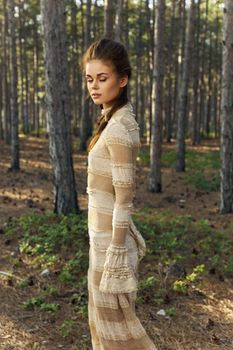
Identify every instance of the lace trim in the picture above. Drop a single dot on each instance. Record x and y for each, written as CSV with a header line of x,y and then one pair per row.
x,y
122,183
118,140
123,165
118,276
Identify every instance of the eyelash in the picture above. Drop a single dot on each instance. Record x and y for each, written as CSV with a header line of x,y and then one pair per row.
x,y
90,81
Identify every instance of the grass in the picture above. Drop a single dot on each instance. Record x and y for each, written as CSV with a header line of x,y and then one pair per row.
x,y
59,243
202,168
180,248
183,250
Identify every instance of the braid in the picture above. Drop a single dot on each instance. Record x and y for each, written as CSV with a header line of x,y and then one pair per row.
x,y
103,119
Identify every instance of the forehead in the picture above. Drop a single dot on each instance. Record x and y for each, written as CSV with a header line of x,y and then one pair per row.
x,y
95,67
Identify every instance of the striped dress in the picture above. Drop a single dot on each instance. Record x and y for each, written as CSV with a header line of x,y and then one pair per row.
x,y
113,266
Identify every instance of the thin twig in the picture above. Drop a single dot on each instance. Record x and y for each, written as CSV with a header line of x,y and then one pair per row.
x,y
10,275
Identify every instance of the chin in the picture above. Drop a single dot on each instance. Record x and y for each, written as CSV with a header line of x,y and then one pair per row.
x,y
97,103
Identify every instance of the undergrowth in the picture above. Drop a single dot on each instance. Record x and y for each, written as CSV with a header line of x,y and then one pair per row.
x,y
183,250
179,251
202,168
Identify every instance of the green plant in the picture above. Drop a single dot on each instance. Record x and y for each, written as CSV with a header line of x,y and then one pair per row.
x,y
39,303
66,328
34,302
49,291
182,286
198,179
49,307
24,283
171,311
66,277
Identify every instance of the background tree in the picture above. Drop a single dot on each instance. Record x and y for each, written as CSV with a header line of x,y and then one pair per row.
x,y
183,96
58,105
118,20
155,182
109,18
5,75
85,122
14,94
226,205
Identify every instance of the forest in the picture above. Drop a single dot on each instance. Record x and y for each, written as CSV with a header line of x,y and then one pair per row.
x,y
181,89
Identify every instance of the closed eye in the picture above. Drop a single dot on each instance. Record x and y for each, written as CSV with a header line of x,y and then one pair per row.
x,y
90,81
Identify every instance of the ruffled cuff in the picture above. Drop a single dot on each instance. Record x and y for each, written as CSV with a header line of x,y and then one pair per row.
x,y
118,276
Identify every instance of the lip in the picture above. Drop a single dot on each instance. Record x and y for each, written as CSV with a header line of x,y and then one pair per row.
x,y
96,95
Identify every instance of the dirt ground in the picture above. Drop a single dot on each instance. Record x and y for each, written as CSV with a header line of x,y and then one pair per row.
x,y
204,319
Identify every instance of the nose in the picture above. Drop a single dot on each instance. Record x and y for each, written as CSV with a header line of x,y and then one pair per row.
x,y
95,85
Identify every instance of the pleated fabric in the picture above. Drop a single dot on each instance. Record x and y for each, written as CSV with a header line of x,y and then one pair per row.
x,y
111,188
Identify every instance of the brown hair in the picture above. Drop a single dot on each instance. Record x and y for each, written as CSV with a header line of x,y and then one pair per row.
x,y
112,51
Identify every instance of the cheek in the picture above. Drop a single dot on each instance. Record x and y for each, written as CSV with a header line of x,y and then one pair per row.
x,y
111,87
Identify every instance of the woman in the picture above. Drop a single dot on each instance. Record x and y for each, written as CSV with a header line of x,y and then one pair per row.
x,y
116,246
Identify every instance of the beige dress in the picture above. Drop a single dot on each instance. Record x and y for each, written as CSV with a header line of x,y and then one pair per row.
x,y
112,273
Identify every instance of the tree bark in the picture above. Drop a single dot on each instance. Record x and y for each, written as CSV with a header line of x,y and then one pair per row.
x,y
14,95
169,75
155,181
85,122
118,20
108,19
58,106
5,84
196,68
226,196
183,97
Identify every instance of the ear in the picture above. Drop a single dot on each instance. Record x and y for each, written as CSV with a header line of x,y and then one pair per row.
x,y
124,81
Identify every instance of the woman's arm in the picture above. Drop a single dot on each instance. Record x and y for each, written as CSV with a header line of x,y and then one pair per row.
x,y
118,276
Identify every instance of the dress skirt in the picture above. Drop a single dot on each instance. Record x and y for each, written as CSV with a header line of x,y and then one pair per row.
x,y
112,320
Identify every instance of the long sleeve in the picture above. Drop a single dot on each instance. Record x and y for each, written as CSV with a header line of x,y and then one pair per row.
x,y
118,276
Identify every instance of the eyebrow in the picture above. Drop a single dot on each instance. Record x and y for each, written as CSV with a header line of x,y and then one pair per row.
x,y
88,75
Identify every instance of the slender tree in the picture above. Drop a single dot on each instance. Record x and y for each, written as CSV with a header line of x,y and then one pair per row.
x,y
108,19
226,197
5,79
58,105
14,95
85,122
118,20
195,97
170,74
155,181
183,96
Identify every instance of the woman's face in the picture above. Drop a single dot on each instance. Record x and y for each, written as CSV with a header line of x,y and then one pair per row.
x,y
103,82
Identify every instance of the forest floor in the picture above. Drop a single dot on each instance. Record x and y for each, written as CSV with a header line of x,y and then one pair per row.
x,y
199,319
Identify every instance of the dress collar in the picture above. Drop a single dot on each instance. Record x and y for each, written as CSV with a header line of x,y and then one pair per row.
x,y
128,106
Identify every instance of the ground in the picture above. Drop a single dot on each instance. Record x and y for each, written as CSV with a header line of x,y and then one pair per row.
x,y
204,318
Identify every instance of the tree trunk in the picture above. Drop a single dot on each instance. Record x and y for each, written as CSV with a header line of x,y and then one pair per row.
x,y
75,78
138,71
202,113
85,122
108,19
5,85
196,61
170,74
155,181
14,96
179,59
118,20
226,197
1,80
58,105
183,97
